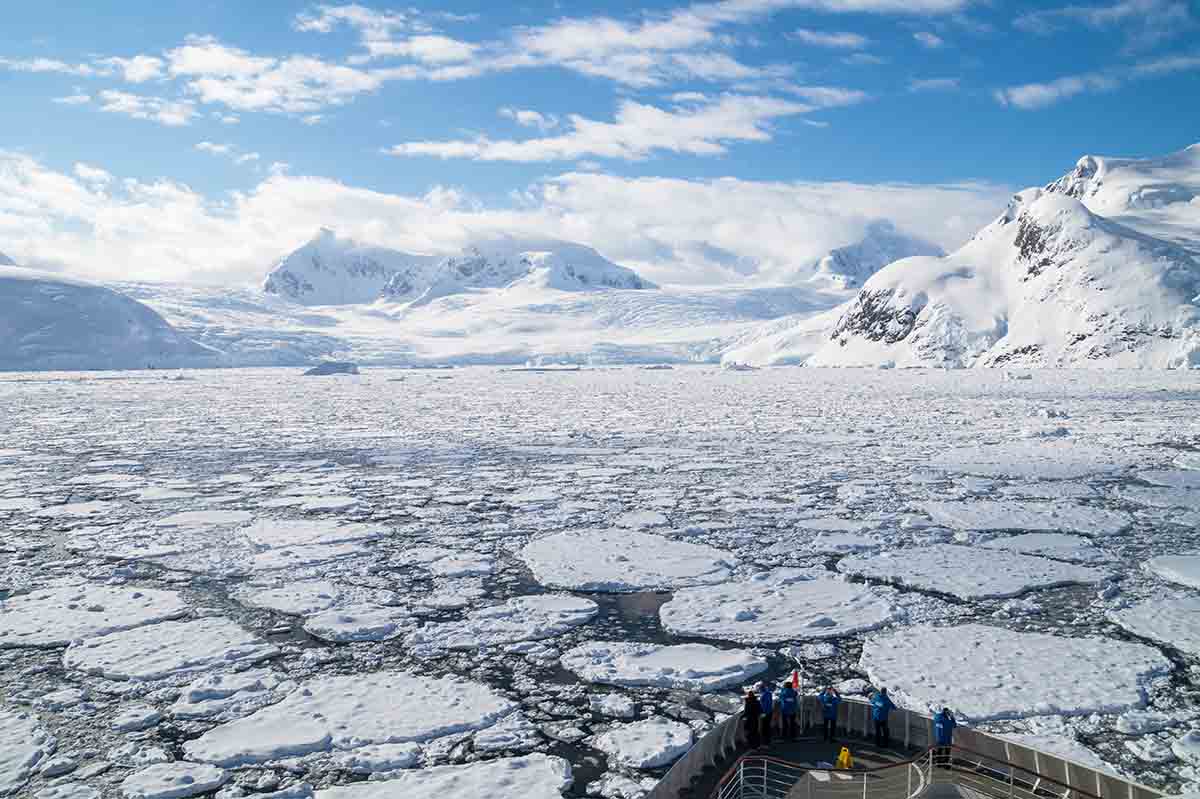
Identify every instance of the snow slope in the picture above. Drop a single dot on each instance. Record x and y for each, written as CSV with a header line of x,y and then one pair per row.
x,y
48,321
852,265
330,270
502,263
1099,269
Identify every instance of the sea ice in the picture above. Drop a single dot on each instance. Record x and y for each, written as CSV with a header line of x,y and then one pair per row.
x,y
201,519
535,776
526,618
692,667
1181,569
1187,747
173,781
134,718
652,743
302,598
516,733
623,560
1033,516
1160,496
780,605
1052,545
359,623
274,533
217,694
23,746
60,614
1188,478
986,672
348,711
378,757
1050,460
1174,621
167,649
969,572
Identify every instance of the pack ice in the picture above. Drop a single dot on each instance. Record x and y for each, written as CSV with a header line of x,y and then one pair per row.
x,y
780,605
167,649
984,514
1174,621
689,667
986,672
623,560
57,615
535,776
527,618
652,743
968,572
1181,569
346,712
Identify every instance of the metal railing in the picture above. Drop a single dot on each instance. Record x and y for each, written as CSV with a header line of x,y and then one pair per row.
x,y
983,763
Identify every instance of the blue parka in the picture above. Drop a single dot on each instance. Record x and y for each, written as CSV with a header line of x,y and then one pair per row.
x,y
788,700
829,704
943,728
767,701
881,706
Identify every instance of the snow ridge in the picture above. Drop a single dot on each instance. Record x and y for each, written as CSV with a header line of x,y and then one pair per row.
x,y
882,244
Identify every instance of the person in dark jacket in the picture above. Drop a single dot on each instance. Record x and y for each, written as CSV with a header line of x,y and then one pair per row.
x,y
789,704
943,732
766,698
751,717
881,708
829,699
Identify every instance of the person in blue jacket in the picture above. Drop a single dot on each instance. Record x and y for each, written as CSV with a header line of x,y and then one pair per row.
x,y
789,704
829,699
766,698
943,733
881,708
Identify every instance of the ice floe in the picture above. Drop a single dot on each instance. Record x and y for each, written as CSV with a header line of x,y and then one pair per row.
x,y
237,694
1056,460
969,572
652,743
173,781
985,672
379,758
780,605
167,649
623,560
1181,569
24,745
983,514
1052,545
692,667
535,776
1174,621
349,711
301,598
359,623
274,533
60,614
525,618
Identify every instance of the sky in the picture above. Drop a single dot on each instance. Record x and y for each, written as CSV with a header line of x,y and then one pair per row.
x,y
703,143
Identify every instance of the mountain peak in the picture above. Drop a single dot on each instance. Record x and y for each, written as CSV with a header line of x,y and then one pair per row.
x,y
881,244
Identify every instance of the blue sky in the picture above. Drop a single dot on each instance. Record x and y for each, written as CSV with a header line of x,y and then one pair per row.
x,y
481,106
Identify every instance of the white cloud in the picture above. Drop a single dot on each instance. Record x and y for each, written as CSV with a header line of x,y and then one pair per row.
x,y
846,41
672,230
1145,22
933,84
1031,96
233,153
138,69
312,119
863,59
929,40
47,65
638,131
828,96
531,119
229,76
155,109
78,98
92,174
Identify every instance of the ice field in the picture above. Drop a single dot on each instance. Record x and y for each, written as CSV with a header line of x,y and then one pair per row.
x,y
477,582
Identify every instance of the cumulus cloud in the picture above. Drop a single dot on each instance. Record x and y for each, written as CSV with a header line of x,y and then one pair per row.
x,y
228,150
637,131
1032,96
532,119
155,109
138,69
929,40
675,231
933,84
844,40
47,65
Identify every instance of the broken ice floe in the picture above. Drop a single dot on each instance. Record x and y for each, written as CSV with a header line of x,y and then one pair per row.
x,y
623,560
1174,621
527,618
652,743
535,776
692,667
57,615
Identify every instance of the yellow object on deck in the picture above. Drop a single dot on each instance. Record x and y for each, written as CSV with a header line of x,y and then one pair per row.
x,y
845,759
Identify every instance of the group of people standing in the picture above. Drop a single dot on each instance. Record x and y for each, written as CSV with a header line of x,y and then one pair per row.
x,y
767,709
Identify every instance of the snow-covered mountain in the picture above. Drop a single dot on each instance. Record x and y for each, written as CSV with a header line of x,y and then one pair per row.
x,y
1099,269
48,321
852,265
505,263
331,270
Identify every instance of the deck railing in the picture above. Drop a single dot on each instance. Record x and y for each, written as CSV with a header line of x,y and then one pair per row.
x,y
987,764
